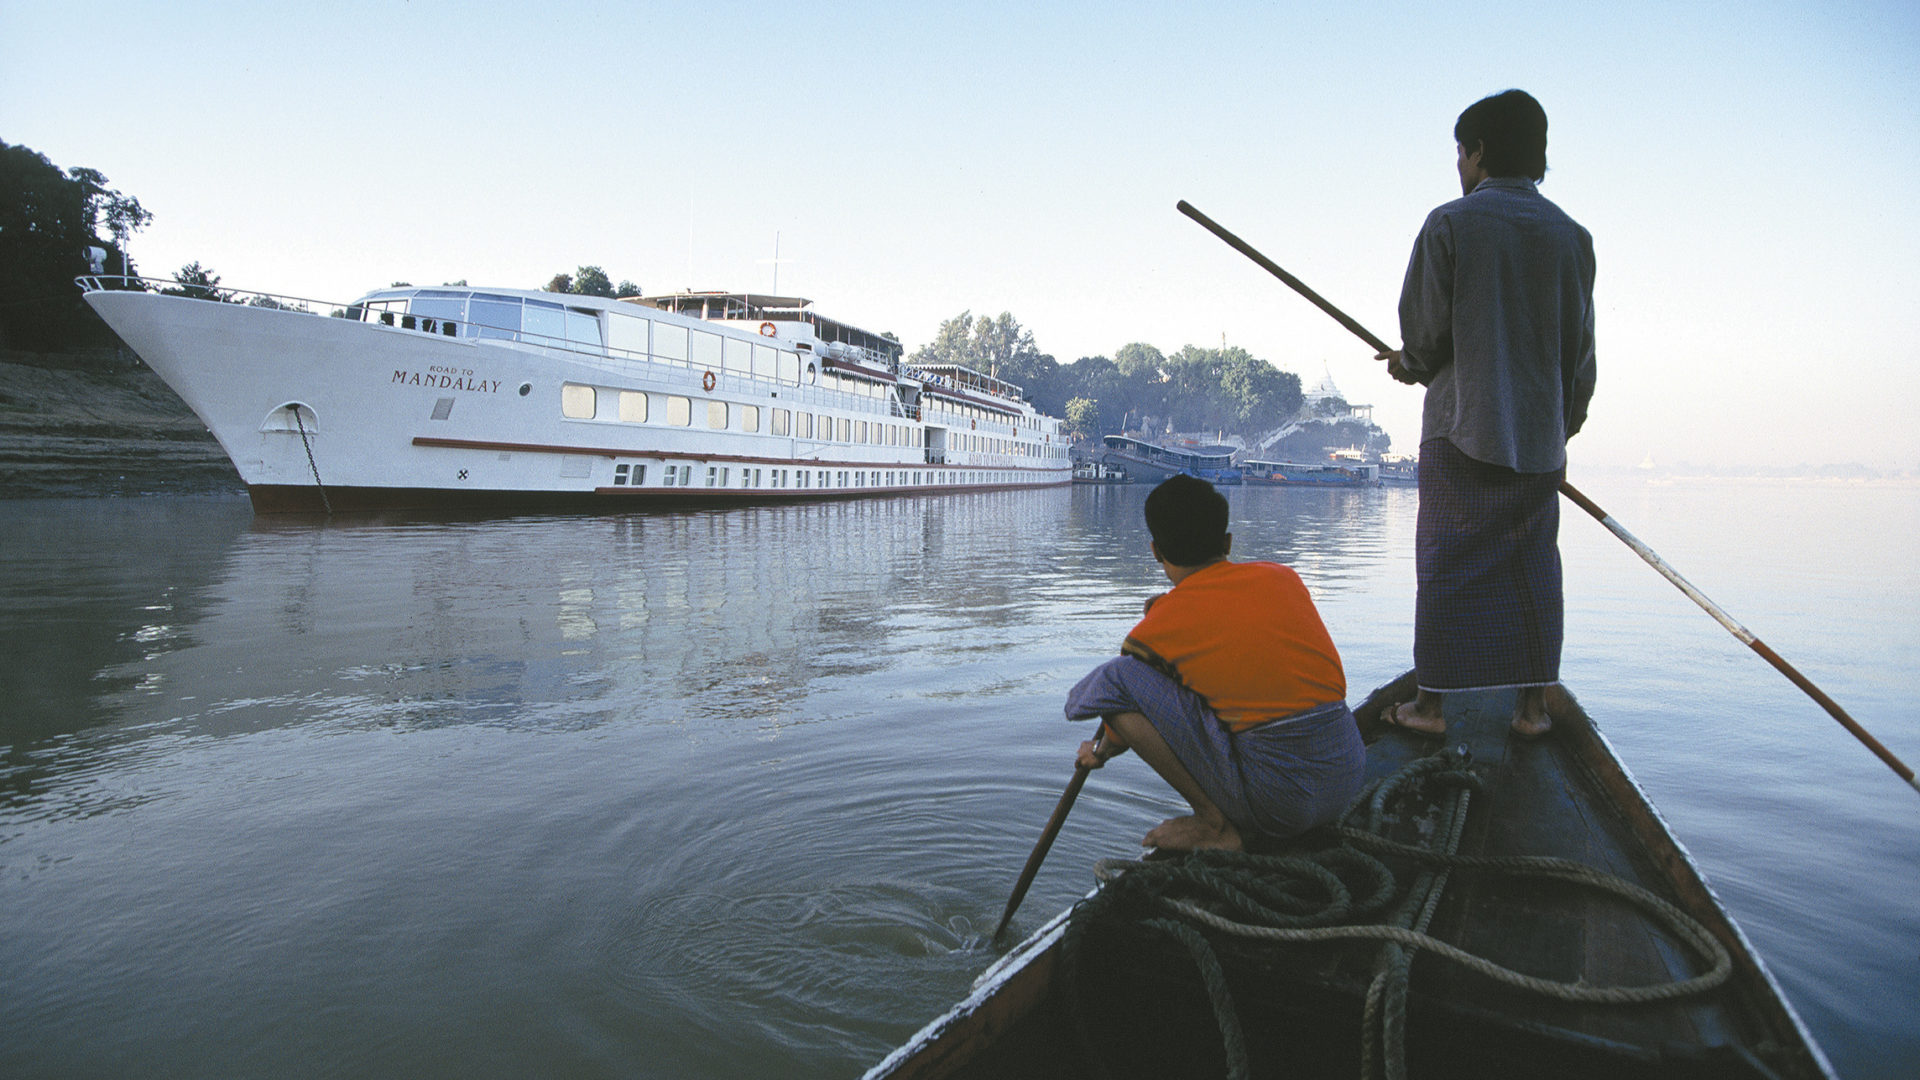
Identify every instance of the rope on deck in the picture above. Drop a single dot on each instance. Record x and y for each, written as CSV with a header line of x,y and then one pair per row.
x,y
1342,892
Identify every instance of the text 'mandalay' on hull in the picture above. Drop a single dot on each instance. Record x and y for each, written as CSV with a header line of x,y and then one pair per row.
x,y
460,397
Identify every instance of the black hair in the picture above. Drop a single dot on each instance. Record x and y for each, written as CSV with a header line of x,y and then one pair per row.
x,y
1510,129
1188,520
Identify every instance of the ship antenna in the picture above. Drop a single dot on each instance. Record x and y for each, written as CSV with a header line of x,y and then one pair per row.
x,y
776,261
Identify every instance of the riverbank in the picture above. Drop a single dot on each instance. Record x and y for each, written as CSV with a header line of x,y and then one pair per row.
x,y
100,423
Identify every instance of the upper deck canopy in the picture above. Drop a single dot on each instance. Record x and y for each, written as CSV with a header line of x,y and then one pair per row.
x,y
765,307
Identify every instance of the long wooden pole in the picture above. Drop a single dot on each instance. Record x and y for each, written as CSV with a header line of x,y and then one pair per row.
x,y
1733,626
1047,834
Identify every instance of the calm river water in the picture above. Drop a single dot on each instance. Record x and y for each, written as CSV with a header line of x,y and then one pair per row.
x,y
736,794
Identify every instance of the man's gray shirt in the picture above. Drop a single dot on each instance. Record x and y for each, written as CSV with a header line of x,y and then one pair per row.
x,y
1497,318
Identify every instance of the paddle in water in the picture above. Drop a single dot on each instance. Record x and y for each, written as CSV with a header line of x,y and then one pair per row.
x,y
1046,839
1733,627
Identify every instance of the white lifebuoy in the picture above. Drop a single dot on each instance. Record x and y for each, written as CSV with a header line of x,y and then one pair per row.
x,y
706,381
767,329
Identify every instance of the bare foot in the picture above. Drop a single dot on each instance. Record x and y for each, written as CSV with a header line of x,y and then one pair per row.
x,y
1532,726
1530,720
1190,833
1411,716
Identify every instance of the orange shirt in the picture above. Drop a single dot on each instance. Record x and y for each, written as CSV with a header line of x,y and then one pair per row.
x,y
1246,637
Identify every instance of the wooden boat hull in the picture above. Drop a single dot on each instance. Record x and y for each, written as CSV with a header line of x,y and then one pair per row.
x,y
1566,795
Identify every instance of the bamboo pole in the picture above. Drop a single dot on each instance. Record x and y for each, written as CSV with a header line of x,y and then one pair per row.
x,y
1047,834
1652,559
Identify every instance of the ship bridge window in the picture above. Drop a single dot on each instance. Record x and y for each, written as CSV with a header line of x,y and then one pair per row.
x,y
544,323
439,308
627,333
583,327
493,316
381,311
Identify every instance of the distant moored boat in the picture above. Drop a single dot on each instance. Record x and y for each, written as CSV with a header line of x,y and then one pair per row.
x,y
1150,461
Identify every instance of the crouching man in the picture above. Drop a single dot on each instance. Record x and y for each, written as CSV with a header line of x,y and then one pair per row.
x,y
1229,688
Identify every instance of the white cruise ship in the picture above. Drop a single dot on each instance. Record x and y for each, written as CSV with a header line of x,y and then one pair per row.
x,y
507,398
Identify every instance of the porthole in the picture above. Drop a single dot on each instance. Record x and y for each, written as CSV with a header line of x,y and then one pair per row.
x,y
526,388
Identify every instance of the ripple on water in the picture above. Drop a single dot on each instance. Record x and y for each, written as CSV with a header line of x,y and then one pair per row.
x,y
787,961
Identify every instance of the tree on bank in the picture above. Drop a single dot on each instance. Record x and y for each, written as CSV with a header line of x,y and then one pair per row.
x,y
197,282
1081,419
49,218
1227,390
590,281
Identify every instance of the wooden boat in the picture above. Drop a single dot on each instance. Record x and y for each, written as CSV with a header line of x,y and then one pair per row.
x,y
1151,462
1299,1007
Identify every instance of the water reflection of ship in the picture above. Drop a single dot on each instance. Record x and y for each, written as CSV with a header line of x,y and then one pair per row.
x,y
684,617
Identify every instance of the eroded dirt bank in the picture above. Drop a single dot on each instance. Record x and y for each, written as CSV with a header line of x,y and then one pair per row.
x,y
100,423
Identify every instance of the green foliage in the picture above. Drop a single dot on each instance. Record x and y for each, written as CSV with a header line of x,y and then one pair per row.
x,y
1140,362
1195,389
592,281
197,282
120,215
48,220
999,347
1081,420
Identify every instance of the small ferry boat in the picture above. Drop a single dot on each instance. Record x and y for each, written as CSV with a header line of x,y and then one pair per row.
x,y
1400,469
1149,461
1097,472
489,399
1584,942
1294,474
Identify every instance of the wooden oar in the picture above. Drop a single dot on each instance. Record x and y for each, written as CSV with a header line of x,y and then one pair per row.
x,y
1899,767
1046,838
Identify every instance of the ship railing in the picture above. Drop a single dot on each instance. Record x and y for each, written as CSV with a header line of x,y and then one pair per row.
x,y
246,297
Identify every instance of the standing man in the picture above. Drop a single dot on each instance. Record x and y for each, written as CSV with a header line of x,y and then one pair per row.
x,y
1496,320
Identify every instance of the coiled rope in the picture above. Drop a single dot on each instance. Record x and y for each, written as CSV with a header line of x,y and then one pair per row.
x,y
1330,893
308,443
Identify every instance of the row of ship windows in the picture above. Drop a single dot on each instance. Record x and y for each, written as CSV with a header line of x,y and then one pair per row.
x,y
580,402
542,322
720,476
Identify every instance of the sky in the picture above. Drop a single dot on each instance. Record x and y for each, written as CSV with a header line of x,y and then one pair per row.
x,y
1750,172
